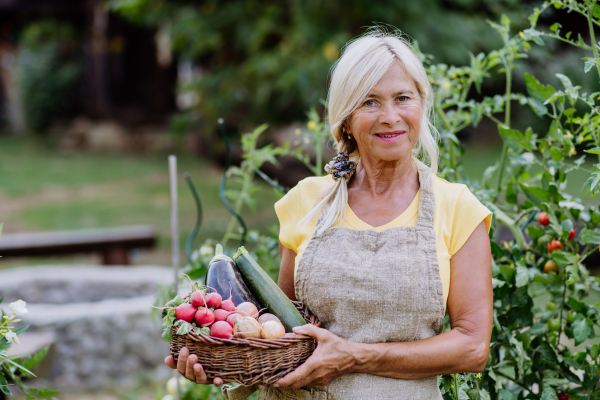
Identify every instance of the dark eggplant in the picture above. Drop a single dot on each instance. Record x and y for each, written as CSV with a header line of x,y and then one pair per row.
x,y
223,276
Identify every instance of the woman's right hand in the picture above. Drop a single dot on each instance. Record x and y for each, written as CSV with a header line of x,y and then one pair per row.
x,y
188,366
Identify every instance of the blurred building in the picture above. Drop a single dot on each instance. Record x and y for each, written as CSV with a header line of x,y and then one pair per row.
x,y
127,73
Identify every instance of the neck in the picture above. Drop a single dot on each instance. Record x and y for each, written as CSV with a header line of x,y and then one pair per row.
x,y
380,177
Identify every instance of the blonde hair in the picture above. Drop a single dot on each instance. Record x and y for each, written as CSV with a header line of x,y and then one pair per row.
x,y
363,62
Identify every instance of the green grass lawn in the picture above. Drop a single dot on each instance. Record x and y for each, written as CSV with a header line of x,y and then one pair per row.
x,y
45,190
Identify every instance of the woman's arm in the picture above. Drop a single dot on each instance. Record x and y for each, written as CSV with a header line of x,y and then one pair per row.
x,y
464,348
286,271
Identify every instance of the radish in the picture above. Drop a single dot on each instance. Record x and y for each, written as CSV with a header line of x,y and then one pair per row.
x,y
228,304
185,312
232,317
198,298
247,309
204,317
220,314
221,329
214,300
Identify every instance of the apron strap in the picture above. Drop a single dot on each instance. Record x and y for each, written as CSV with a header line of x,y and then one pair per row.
x,y
426,211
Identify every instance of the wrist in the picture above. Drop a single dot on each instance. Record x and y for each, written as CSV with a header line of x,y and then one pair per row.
x,y
362,357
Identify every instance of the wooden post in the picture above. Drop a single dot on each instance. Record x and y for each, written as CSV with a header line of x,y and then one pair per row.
x,y
174,237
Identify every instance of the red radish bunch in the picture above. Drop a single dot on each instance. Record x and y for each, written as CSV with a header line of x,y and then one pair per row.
x,y
224,320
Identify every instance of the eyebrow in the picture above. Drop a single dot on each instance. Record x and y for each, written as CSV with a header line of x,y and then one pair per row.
x,y
401,92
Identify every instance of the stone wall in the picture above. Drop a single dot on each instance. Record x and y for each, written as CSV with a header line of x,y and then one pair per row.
x,y
100,317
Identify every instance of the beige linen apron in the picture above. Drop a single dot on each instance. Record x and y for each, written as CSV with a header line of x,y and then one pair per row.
x,y
372,287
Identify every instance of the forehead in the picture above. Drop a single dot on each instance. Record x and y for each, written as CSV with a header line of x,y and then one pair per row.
x,y
395,79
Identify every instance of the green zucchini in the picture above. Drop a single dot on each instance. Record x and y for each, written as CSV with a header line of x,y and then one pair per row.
x,y
266,291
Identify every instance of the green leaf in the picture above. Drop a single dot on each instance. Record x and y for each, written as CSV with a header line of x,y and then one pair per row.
x,y
506,395
167,335
556,154
555,27
185,328
538,329
536,90
175,302
582,327
34,359
522,276
478,394
572,271
595,351
549,394
547,352
4,384
566,225
534,194
576,305
590,237
514,139
595,150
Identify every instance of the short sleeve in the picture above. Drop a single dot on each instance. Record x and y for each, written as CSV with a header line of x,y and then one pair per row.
x,y
289,212
468,214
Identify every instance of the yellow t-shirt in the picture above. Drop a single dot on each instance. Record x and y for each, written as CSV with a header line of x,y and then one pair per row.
x,y
457,214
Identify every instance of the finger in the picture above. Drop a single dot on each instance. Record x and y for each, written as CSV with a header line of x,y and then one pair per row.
x,y
200,375
170,362
311,330
298,375
190,367
182,360
218,382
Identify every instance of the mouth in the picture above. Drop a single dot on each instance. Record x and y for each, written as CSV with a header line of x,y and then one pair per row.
x,y
390,136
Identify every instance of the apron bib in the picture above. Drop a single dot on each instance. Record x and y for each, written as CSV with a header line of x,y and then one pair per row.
x,y
373,287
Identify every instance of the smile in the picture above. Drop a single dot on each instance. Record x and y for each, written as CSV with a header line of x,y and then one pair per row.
x,y
390,136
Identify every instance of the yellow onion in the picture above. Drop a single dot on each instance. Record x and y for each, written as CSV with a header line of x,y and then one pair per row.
x,y
246,327
272,330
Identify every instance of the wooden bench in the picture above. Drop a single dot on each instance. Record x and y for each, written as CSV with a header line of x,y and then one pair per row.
x,y
112,243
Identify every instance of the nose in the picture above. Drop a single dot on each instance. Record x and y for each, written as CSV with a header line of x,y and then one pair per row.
x,y
389,115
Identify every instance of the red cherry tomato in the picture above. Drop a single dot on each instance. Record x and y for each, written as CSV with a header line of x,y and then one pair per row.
x,y
563,397
554,245
543,218
572,234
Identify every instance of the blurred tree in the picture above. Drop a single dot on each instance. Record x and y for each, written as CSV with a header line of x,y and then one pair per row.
x,y
268,60
49,71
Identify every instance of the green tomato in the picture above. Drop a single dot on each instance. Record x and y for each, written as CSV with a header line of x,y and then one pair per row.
x,y
551,305
571,316
554,324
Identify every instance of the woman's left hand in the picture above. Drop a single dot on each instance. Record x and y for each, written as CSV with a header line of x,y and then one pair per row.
x,y
332,358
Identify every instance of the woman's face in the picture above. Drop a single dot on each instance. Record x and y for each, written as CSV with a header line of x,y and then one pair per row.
x,y
386,125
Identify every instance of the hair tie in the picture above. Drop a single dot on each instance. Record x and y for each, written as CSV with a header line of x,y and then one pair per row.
x,y
341,166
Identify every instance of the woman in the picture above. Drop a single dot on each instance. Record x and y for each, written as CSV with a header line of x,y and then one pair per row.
x,y
380,247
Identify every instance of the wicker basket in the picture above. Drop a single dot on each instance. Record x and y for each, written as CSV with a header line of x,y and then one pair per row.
x,y
249,361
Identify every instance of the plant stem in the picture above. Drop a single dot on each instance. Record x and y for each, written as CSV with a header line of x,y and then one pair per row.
x,y
508,71
590,12
562,307
248,175
456,386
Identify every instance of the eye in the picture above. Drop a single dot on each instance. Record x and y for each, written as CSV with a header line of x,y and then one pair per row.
x,y
369,103
403,98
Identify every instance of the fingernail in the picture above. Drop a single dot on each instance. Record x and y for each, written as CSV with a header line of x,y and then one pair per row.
x,y
184,351
276,385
